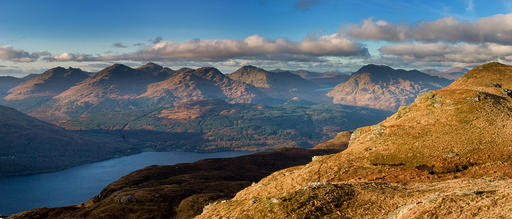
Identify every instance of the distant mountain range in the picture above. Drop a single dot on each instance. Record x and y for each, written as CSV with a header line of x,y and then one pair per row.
x,y
157,108
241,110
61,94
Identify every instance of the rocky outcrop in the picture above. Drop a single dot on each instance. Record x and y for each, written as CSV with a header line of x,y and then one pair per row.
x,y
340,142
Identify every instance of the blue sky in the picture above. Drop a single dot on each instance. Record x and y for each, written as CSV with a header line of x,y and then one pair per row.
x,y
36,35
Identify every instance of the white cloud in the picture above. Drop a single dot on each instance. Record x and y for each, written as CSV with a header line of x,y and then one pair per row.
x,y
379,30
254,47
18,55
492,29
64,57
458,53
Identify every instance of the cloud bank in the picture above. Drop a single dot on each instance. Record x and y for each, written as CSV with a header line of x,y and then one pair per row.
x,y
493,29
470,53
64,57
18,55
253,47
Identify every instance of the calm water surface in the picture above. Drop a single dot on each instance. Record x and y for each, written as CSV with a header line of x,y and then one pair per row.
x,y
78,184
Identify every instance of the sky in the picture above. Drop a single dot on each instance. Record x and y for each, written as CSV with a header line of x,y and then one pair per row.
x,y
315,35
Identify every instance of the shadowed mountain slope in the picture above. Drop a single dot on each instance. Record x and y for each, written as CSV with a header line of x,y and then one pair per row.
x,y
28,145
7,83
452,73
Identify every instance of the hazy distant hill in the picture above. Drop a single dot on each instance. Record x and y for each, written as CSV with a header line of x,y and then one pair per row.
x,y
330,80
280,84
382,87
453,73
7,83
325,79
303,73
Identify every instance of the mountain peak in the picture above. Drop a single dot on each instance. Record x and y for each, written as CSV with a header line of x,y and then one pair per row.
x,y
58,68
117,67
210,73
486,76
252,68
48,84
373,69
492,65
150,66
